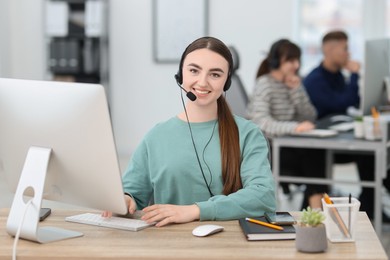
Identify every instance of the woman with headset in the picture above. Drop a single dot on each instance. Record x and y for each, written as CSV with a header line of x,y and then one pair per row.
x,y
279,106
204,163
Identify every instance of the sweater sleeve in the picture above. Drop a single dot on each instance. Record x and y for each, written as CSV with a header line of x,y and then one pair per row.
x,y
259,111
136,179
258,193
303,106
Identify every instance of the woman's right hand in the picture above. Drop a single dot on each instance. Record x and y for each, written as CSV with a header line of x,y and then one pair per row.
x,y
130,204
292,81
304,126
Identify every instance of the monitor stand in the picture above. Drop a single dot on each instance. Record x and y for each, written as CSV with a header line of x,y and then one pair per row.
x,y
25,215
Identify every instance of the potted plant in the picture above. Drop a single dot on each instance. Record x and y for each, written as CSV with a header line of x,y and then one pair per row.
x,y
310,232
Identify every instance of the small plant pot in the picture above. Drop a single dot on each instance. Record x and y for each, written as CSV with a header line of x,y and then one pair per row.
x,y
311,239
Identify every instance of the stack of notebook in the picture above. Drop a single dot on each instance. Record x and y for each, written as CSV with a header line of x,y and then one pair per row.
x,y
254,231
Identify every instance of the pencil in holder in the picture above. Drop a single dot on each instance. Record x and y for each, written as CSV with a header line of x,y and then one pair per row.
x,y
341,218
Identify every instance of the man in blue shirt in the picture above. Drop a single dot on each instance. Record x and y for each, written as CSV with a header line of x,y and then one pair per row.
x,y
331,93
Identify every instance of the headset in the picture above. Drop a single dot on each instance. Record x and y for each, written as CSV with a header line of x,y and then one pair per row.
x,y
274,54
192,97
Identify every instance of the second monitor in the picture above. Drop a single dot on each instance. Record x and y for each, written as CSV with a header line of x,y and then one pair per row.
x,y
376,88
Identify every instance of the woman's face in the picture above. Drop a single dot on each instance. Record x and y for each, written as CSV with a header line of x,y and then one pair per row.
x,y
204,74
289,67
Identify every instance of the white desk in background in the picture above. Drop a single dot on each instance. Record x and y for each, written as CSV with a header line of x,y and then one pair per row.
x,y
342,142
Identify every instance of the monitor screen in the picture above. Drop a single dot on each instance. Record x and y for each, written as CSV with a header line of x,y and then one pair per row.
x,y
71,119
376,75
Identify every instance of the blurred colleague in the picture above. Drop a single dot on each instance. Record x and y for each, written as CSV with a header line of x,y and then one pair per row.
x,y
331,94
280,106
326,85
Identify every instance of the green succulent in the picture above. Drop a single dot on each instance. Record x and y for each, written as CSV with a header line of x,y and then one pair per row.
x,y
311,217
359,118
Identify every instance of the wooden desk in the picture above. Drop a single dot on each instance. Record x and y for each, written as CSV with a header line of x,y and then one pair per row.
x,y
177,242
341,142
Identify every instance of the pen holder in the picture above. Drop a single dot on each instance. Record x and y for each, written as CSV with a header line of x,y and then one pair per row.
x,y
340,219
373,128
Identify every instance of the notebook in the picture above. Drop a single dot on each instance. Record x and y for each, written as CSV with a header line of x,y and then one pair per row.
x,y
254,231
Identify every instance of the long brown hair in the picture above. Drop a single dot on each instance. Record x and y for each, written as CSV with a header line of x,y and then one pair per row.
x,y
227,127
280,50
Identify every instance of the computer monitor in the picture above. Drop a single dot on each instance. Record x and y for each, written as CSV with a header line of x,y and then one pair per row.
x,y
375,91
56,141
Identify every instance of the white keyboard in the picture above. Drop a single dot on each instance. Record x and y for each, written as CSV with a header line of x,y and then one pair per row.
x,y
113,222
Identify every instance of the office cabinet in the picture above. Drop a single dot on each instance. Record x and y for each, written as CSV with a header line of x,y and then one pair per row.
x,y
77,40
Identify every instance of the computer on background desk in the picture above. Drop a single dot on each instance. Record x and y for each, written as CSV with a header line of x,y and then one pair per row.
x,y
376,89
57,143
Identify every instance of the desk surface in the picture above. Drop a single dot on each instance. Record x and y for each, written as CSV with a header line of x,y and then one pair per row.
x,y
343,141
177,242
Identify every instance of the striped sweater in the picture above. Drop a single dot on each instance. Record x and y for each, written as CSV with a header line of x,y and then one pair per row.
x,y
277,109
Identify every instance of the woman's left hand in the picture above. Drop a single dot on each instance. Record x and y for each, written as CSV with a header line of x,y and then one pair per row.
x,y
164,214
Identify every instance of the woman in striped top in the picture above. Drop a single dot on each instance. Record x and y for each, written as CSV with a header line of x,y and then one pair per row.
x,y
279,105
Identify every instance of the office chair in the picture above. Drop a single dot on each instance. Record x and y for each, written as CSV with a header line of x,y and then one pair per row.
x,y
236,96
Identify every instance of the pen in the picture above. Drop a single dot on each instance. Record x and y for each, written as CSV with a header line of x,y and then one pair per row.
x,y
336,216
375,116
349,212
264,223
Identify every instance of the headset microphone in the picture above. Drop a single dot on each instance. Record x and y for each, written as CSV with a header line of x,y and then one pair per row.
x,y
191,96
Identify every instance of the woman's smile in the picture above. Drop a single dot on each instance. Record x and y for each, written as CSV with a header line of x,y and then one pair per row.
x,y
201,92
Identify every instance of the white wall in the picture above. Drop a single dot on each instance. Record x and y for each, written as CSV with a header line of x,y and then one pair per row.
x,y
24,53
3,43
141,90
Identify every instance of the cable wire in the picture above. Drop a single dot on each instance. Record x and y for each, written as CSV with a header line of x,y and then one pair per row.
x,y
19,229
193,143
204,150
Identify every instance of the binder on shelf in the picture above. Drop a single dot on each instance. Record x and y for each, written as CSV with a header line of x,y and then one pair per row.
x,y
94,18
57,16
77,39
64,56
91,56
73,56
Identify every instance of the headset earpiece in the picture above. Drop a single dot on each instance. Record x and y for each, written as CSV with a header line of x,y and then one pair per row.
x,y
179,78
274,55
227,83
274,58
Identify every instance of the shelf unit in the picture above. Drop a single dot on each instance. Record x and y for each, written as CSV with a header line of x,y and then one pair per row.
x,y
77,40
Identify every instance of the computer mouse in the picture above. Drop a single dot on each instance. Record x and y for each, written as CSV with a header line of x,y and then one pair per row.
x,y
205,230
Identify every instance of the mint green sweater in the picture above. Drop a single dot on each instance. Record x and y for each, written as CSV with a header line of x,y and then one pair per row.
x,y
164,170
